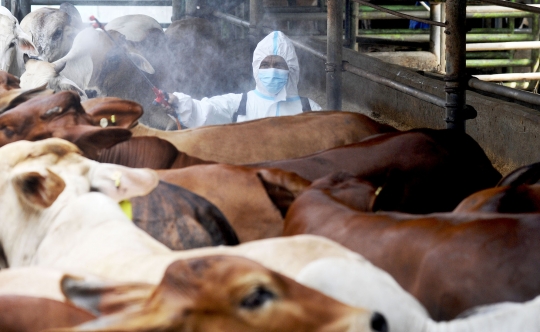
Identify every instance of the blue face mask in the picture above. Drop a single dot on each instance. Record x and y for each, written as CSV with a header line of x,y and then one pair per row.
x,y
273,79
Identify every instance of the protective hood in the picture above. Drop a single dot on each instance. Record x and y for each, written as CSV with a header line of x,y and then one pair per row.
x,y
276,43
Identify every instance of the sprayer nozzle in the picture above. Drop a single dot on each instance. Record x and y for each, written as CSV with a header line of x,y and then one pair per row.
x,y
92,18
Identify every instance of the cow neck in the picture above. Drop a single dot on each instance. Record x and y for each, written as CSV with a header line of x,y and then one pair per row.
x,y
21,243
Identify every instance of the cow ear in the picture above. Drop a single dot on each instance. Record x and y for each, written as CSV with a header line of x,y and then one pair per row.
x,y
282,187
25,43
38,190
121,183
141,63
102,298
111,111
14,97
65,84
529,174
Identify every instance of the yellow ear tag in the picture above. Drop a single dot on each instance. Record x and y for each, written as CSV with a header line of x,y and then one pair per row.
x,y
127,208
113,119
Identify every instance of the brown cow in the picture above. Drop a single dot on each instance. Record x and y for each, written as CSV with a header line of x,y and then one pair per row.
x,y
226,293
148,152
181,219
251,199
528,174
449,261
31,314
508,199
419,171
58,115
272,138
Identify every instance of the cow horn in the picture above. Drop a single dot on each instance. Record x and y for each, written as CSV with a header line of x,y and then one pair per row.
x,y
59,66
53,111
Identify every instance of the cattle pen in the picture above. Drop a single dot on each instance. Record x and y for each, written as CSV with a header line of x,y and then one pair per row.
x,y
503,120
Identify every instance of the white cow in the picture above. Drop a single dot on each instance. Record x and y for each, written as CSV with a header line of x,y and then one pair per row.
x,y
14,43
53,30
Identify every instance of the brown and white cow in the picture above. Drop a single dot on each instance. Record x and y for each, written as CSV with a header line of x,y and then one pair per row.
x,y
449,261
47,183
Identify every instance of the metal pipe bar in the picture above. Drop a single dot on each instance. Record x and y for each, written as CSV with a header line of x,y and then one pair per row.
x,y
527,8
103,2
297,16
231,19
256,11
487,55
455,84
503,46
408,17
396,85
398,8
365,32
301,9
334,53
470,38
495,9
509,77
490,63
519,95
425,15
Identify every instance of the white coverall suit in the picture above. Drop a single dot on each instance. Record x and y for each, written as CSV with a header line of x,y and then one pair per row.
x,y
260,103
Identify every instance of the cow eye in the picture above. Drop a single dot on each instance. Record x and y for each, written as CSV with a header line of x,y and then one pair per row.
x,y
257,298
12,44
57,34
8,132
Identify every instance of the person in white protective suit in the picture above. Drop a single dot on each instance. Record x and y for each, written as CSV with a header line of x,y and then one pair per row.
x,y
276,73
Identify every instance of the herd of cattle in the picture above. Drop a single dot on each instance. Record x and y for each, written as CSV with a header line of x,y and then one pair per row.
x,y
324,221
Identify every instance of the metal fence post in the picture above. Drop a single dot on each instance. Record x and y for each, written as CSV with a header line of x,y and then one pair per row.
x,y
334,52
178,10
455,64
256,12
24,9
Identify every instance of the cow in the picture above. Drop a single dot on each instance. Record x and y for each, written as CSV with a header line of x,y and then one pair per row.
x,y
507,199
418,171
30,314
272,138
226,293
528,174
15,43
53,30
14,97
180,219
442,259
8,82
45,74
96,62
364,285
58,115
250,199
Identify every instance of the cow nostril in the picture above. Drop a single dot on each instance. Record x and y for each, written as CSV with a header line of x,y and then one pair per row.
x,y
378,323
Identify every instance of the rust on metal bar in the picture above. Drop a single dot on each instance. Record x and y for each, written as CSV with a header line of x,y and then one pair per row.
x,y
393,12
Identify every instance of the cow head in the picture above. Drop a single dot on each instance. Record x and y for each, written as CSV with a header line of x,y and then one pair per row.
x,y
53,30
13,44
39,179
58,115
42,73
225,293
15,97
